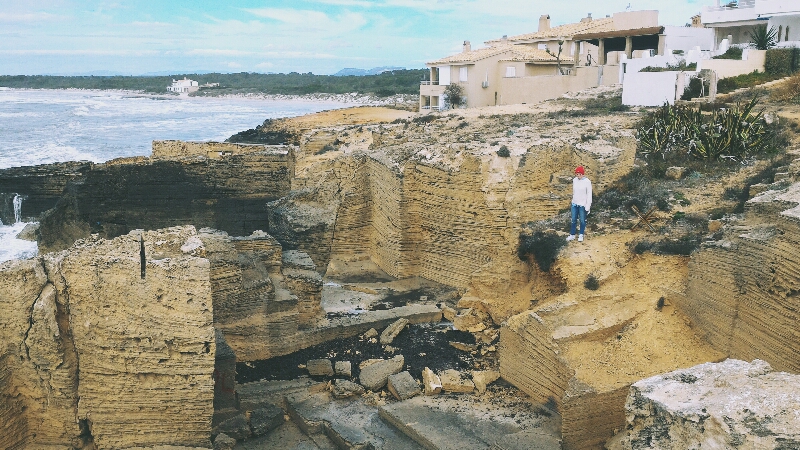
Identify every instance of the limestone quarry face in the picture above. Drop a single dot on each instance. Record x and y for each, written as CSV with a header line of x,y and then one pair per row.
x,y
95,334
732,404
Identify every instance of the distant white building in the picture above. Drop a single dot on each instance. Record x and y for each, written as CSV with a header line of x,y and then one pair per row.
x,y
734,21
184,86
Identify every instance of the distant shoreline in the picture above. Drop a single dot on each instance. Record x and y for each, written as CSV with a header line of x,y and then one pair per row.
x,y
360,99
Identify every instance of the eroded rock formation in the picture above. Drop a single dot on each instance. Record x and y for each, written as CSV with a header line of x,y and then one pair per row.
x,y
743,288
111,343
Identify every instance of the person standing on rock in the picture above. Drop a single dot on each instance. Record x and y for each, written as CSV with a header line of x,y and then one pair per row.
x,y
581,202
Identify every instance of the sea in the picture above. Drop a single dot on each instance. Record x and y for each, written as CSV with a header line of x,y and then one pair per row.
x,y
46,126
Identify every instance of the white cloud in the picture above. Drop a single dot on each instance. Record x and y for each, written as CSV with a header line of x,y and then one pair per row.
x,y
218,52
28,17
309,19
80,52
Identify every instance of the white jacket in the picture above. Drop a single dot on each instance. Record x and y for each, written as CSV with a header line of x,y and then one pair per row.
x,y
582,192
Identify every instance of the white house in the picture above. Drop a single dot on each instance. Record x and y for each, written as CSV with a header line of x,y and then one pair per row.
x,y
735,20
184,86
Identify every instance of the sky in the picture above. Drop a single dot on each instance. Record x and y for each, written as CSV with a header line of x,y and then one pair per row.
x,y
137,37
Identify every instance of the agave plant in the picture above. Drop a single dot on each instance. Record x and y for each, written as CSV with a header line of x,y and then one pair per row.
x,y
764,38
733,133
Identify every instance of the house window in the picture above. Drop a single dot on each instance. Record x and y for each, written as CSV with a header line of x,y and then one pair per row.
x,y
787,33
780,32
511,72
462,74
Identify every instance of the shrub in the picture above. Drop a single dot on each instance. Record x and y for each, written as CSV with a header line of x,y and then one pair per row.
x,y
610,104
782,61
454,95
789,91
591,282
735,133
462,125
743,81
731,53
503,152
543,246
697,87
423,119
680,67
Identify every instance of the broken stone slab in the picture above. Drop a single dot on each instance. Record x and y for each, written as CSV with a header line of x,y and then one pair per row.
x,y
449,313
443,424
319,368
224,442
236,427
463,347
376,374
403,386
391,332
472,320
265,419
371,333
731,404
344,389
297,259
483,378
344,368
349,423
431,382
454,381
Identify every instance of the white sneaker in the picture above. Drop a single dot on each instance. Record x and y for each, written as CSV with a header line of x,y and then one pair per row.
x,y
580,238
571,237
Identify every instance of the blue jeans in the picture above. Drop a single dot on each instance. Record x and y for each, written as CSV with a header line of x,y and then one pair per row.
x,y
576,212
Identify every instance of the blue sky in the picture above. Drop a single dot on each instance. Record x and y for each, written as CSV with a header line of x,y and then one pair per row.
x,y
319,36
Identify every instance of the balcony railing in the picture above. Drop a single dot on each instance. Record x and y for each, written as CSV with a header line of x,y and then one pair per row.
x,y
434,107
429,83
741,4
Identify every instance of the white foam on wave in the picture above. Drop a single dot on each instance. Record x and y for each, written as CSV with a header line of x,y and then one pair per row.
x,y
13,248
47,153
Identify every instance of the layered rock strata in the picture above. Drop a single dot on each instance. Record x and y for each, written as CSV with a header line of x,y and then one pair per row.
x,y
420,205
744,288
110,344
41,187
732,404
578,353
227,191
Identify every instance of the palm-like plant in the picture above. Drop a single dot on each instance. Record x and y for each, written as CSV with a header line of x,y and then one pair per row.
x,y
764,38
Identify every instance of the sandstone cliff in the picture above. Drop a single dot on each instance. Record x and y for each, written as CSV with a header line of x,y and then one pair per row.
x,y
110,344
743,287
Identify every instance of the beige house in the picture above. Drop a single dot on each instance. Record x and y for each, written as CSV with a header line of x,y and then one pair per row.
x,y
546,64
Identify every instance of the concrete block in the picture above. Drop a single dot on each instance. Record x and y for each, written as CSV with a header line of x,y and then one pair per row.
x,y
454,381
266,419
320,367
375,375
403,386
344,368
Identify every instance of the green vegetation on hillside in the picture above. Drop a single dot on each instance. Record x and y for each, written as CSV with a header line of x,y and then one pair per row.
x,y
383,85
682,132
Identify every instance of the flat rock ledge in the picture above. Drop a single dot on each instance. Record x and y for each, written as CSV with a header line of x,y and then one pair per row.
x,y
732,404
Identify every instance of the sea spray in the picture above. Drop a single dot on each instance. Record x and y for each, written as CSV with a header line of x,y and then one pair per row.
x,y
17,208
10,246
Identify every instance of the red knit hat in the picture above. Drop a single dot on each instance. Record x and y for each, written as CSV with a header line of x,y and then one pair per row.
x,y
579,170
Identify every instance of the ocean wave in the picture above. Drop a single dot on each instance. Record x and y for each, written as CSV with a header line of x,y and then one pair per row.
x,y
13,248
